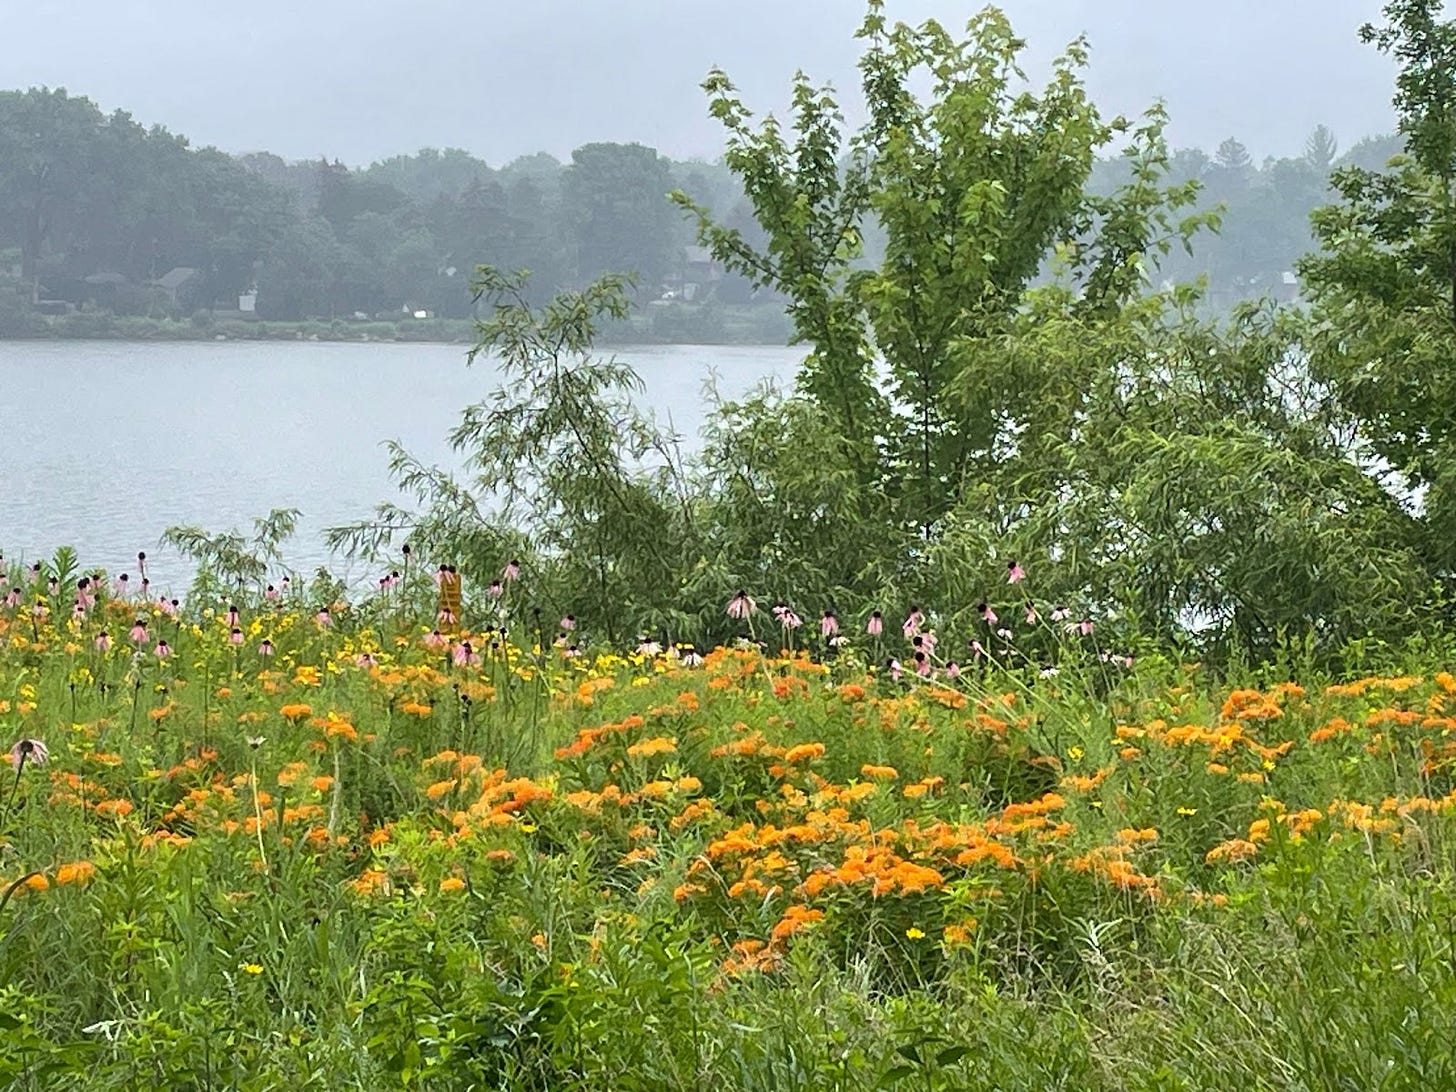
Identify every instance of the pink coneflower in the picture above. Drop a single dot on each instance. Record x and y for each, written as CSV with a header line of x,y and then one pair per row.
x,y
78,612
40,610
446,616
896,671
1015,574
913,623
168,607
142,563
121,585
103,642
28,750
365,659
235,636
511,572
648,648
465,656
922,664
568,623
1085,627
496,589
952,670
987,614
1060,614
139,632
266,648
876,625
978,650
324,618
787,618
1004,634
53,586
271,594
12,598
829,624
232,616
1030,614
692,658
928,640
146,587
741,606
163,649
435,640
440,574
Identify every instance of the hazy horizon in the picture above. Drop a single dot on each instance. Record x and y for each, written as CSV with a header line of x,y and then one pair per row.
x,y
549,77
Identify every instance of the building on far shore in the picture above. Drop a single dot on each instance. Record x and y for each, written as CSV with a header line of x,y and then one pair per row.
x,y
178,286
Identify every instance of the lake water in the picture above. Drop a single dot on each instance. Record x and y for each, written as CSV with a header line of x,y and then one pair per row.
x,y
103,445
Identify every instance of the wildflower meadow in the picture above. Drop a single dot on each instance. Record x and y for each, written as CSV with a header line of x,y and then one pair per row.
x,y
275,843
1054,689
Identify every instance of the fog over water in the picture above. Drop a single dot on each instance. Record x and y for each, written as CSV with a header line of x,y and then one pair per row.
x,y
362,82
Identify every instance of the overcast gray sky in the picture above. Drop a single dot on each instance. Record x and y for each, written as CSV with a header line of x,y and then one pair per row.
x,y
364,79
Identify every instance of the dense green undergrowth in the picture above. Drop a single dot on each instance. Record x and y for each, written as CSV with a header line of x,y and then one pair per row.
x,y
338,850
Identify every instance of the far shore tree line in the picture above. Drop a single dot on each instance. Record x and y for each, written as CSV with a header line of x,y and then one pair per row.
x,y
101,214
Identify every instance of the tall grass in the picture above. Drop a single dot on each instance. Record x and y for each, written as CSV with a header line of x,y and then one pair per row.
x,y
366,861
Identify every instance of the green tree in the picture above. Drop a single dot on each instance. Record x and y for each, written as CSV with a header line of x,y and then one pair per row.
x,y
47,157
615,204
974,188
1384,282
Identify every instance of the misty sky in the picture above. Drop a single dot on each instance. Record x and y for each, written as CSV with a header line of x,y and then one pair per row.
x,y
362,81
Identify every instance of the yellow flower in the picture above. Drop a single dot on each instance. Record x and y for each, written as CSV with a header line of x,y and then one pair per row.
x,y
1187,811
914,933
250,968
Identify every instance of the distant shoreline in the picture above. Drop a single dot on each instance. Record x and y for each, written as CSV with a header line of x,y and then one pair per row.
x,y
747,326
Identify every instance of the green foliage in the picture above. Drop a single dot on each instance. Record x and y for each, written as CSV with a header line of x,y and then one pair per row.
x,y
229,561
1384,285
